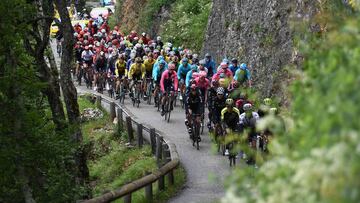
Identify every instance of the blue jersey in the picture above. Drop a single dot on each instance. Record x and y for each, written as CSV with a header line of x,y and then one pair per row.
x,y
183,70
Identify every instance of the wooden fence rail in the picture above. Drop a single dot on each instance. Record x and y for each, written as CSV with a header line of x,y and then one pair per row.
x,y
166,155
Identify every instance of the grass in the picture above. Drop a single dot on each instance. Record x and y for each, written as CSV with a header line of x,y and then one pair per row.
x,y
112,164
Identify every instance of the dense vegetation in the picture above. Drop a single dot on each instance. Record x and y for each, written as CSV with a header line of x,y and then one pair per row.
x,y
187,25
318,159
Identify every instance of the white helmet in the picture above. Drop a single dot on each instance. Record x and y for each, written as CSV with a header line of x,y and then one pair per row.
x,y
103,31
158,38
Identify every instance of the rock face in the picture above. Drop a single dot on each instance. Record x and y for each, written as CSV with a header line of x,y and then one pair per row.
x,y
257,33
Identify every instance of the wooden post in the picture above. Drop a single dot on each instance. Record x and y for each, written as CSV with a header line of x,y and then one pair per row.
x,y
158,149
165,153
161,183
127,198
120,117
140,138
129,128
153,140
112,111
171,178
148,191
98,101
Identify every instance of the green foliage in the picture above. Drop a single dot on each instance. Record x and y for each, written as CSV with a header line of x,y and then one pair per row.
x,y
188,22
150,11
35,147
318,160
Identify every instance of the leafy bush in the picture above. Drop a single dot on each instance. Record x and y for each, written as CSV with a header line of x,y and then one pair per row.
x,y
318,160
188,22
151,9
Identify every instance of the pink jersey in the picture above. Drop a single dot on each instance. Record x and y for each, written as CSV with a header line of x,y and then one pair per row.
x,y
227,73
202,84
168,79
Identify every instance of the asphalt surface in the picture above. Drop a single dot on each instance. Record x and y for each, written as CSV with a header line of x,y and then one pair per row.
x,y
205,169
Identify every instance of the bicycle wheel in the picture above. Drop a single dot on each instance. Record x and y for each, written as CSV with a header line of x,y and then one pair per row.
x,y
197,133
168,111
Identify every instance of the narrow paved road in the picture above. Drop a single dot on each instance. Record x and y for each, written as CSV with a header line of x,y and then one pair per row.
x,y
205,170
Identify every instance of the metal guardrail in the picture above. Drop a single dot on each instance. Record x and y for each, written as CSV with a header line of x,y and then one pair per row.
x,y
166,155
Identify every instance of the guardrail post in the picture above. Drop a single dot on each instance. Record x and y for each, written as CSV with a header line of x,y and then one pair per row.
x,y
148,191
127,198
171,178
130,130
166,152
158,149
161,183
98,101
120,117
112,111
153,140
140,138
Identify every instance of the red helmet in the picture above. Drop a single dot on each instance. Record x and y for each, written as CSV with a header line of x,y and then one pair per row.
x,y
171,66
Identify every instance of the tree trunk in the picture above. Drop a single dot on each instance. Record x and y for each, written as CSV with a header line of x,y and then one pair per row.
x,y
70,93
15,94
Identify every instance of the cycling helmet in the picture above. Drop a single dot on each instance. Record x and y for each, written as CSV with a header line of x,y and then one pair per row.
x,y
143,34
229,102
223,65
171,66
195,56
220,91
185,60
273,111
234,60
97,44
103,31
138,60
86,47
207,55
110,49
90,46
267,101
202,74
161,58
225,60
247,107
158,38
202,62
102,53
243,66
194,67
138,46
170,45
76,34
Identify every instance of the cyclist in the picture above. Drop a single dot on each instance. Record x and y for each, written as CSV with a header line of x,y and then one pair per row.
x,y
224,70
230,118
218,104
202,67
193,107
265,107
212,93
189,75
136,73
120,67
234,65
157,73
184,68
203,84
100,62
87,56
149,64
168,82
210,65
243,76
248,121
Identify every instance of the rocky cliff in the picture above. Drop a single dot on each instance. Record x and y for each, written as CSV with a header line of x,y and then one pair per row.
x,y
257,33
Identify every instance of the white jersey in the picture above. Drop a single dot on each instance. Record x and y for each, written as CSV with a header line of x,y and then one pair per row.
x,y
244,120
